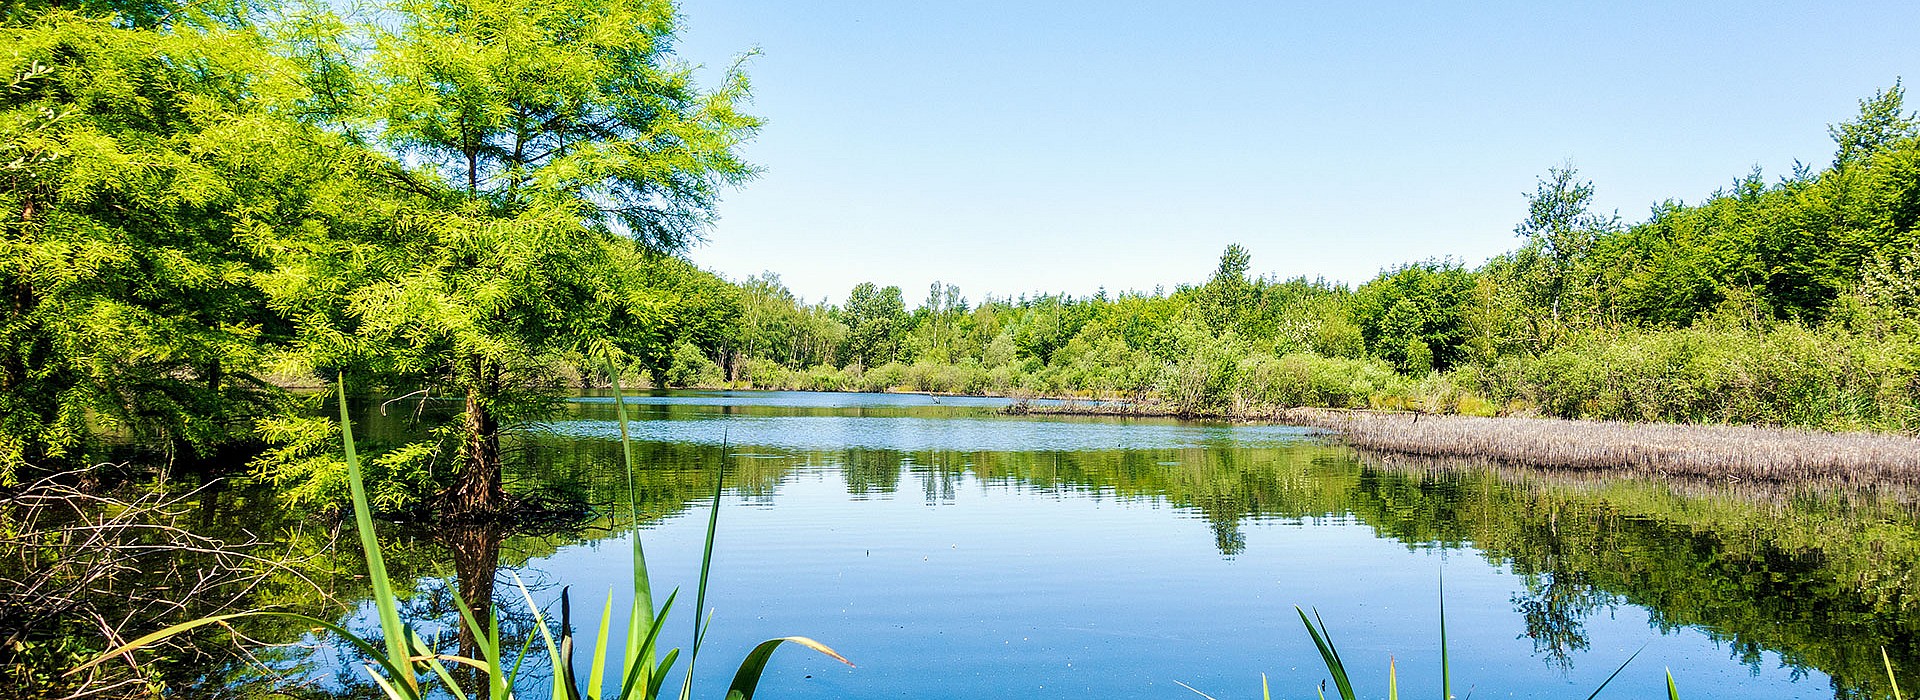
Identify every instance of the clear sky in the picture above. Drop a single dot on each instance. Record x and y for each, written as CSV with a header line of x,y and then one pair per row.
x,y
1012,147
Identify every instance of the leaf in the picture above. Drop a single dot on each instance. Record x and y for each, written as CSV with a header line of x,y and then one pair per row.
x,y
1328,654
748,677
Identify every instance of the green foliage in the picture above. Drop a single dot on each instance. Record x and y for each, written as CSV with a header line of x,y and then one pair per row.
x,y
149,181
1423,304
1789,375
1561,232
1790,303
692,367
1883,122
876,320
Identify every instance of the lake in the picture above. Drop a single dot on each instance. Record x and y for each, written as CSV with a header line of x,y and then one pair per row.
x,y
951,551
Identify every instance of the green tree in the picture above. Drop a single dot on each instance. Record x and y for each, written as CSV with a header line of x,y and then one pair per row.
x,y
150,181
876,319
1560,230
1883,121
1225,298
561,151
1417,316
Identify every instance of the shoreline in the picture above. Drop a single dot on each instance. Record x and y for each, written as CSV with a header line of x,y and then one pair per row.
x,y
1724,452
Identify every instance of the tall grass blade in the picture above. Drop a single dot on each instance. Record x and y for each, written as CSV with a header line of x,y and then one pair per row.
x,y
1265,692
488,642
1446,678
596,679
706,567
560,689
660,678
1393,681
1324,642
386,687
422,651
641,617
359,644
384,599
1891,681
1616,672
648,678
1673,693
747,679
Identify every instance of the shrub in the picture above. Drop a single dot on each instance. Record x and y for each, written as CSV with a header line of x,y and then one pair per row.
x,y
692,367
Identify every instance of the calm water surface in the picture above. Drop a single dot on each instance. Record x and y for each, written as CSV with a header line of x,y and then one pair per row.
x,y
953,552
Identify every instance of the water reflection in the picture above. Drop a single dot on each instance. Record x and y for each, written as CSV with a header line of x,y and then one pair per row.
x,y
1783,592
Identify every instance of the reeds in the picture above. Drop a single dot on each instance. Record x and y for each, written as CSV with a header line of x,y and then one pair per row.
x,y
1343,683
403,663
1707,451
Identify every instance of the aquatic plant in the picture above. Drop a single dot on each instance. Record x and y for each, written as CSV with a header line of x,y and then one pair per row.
x,y
1343,684
400,657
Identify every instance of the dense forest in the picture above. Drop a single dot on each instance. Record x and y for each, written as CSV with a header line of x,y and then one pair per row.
x,y
479,206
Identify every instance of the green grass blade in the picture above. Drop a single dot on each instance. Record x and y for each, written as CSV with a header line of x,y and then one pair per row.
x,y
706,567
513,676
1446,676
358,643
1616,672
1673,693
596,678
488,640
1265,692
660,673
421,650
386,687
643,678
1328,654
384,599
1891,681
553,649
1393,681
748,677
641,617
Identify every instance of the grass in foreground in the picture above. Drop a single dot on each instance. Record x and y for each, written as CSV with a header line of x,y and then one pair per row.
x,y
1343,682
404,665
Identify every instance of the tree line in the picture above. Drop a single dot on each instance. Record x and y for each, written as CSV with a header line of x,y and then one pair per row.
x,y
1794,301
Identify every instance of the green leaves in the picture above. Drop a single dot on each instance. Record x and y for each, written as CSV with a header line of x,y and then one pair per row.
x,y
1329,655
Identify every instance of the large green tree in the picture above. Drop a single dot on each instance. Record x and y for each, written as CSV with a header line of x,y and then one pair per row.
x,y
876,319
1560,230
150,177
556,153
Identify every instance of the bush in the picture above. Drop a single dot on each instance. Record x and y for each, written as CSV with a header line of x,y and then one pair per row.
x,y
1788,375
762,373
692,367
1307,379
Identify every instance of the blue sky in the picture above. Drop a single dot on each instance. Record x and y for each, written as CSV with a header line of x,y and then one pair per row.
x,y
1012,147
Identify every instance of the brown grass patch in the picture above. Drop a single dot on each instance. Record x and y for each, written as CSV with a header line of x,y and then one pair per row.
x,y
1706,451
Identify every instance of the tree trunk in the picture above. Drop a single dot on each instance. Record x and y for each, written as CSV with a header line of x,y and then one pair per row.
x,y
477,489
476,558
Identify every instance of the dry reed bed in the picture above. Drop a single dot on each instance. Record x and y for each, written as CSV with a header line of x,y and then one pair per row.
x,y
1708,451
